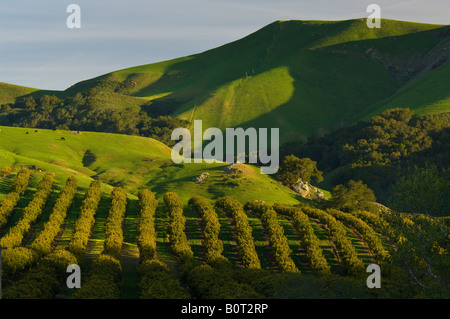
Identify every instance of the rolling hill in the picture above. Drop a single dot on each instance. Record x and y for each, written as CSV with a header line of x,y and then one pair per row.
x,y
130,162
306,77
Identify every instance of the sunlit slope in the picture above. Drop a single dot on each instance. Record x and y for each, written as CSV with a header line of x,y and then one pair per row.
x,y
306,77
128,161
9,92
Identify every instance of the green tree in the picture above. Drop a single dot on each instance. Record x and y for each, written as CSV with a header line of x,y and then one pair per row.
x,y
355,196
29,103
292,168
422,191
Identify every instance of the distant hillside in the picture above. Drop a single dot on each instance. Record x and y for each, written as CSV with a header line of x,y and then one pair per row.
x,y
131,162
9,92
306,77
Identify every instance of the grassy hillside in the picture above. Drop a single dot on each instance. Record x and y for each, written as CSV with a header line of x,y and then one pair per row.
x,y
131,162
306,77
9,92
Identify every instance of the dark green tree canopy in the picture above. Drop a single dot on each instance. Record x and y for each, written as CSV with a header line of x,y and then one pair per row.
x,y
355,196
293,168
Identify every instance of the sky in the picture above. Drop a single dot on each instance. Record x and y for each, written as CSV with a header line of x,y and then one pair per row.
x,y
38,50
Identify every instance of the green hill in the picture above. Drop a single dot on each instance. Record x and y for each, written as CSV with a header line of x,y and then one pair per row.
x,y
9,92
306,77
131,162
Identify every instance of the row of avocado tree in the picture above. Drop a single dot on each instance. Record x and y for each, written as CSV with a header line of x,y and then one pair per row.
x,y
18,188
211,229
277,240
308,239
350,262
83,226
43,242
105,271
30,214
245,242
156,280
44,280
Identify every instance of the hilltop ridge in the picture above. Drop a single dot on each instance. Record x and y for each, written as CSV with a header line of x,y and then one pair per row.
x,y
306,77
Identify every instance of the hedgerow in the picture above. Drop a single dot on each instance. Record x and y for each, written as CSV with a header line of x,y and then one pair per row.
x,y
177,236
105,274
277,240
43,242
349,258
156,281
245,242
211,230
368,234
113,226
44,280
103,280
10,201
146,240
86,220
308,240
30,214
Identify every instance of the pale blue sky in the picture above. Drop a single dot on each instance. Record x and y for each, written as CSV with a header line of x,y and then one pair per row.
x,y
38,50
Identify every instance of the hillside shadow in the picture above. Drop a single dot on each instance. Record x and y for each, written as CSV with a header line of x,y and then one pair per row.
x,y
312,107
88,158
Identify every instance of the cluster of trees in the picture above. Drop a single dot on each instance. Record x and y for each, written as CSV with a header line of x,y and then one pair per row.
x,y
216,279
368,234
18,188
105,274
375,221
211,229
30,213
207,282
308,240
383,152
92,111
422,190
420,263
351,197
245,242
293,168
43,281
19,258
83,226
157,281
347,254
277,240
177,223
43,242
